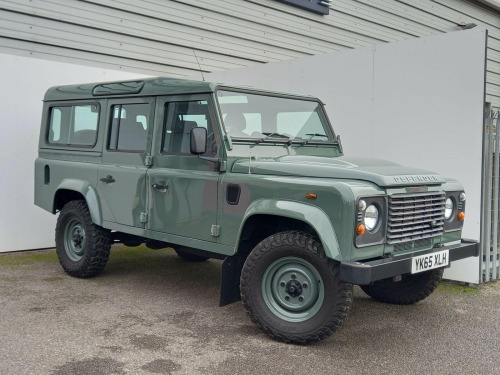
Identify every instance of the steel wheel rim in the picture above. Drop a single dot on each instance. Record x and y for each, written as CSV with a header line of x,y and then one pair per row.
x,y
282,294
74,239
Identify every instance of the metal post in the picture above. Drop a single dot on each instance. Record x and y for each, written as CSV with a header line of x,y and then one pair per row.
x,y
487,247
495,196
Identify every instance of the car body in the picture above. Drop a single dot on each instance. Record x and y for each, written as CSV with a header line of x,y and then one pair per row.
x,y
215,171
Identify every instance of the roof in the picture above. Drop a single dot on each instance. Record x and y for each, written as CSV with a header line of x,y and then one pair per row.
x,y
141,87
149,87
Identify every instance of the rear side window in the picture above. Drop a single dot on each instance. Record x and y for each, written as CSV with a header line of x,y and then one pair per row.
x,y
73,125
129,127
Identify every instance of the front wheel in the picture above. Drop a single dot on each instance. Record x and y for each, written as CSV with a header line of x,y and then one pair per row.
x,y
82,246
410,289
292,291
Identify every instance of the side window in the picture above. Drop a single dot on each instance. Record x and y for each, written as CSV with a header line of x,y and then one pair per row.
x,y
180,118
129,127
73,125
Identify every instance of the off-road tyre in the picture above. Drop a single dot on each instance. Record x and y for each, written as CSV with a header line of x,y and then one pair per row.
x,y
190,257
410,289
286,252
87,256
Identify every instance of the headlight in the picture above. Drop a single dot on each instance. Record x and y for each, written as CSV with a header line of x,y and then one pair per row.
x,y
448,209
371,217
454,211
371,220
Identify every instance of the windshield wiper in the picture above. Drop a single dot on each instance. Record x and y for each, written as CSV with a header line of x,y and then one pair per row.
x,y
273,135
312,135
276,135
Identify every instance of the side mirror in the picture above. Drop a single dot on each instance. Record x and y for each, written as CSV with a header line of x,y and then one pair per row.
x,y
198,141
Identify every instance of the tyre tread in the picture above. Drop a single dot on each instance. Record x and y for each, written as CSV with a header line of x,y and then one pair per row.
x,y
98,242
343,290
405,293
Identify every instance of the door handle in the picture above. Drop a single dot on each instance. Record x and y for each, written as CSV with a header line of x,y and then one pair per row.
x,y
161,186
108,179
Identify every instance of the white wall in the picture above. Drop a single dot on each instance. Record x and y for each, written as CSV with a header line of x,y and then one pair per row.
x,y
24,82
417,102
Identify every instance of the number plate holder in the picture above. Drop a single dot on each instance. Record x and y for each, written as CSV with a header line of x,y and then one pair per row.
x,y
430,261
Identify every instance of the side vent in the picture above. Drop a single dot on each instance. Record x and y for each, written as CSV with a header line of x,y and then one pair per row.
x,y
233,194
46,175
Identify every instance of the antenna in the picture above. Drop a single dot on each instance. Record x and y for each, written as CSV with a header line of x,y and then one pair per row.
x,y
199,66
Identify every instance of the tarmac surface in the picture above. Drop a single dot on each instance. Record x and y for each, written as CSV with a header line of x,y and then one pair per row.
x,y
150,312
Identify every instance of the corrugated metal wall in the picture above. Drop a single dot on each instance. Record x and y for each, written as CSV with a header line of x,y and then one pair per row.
x,y
177,37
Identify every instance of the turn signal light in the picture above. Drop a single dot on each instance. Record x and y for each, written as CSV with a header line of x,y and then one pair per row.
x,y
360,229
461,216
311,195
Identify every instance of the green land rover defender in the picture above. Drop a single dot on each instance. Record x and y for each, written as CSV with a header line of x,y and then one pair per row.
x,y
253,177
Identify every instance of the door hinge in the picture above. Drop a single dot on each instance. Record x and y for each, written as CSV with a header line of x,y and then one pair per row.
x,y
143,218
148,161
215,231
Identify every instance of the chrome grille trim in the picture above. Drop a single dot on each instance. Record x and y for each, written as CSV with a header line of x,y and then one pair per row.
x,y
415,216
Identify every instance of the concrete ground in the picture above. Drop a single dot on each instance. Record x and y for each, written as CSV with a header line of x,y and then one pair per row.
x,y
152,313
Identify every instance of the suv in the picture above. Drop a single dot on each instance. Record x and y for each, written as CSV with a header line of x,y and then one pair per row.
x,y
253,177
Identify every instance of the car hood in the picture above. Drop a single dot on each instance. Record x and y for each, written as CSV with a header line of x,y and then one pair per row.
x,y
380,172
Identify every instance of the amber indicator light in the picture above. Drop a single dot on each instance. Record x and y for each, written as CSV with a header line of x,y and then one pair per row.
x,y
360,229
461,216
311,195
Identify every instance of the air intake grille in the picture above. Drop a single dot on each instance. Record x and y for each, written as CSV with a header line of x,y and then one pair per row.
x,y
415,216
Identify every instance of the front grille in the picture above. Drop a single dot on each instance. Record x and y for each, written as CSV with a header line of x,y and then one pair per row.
x,y
415,216
402,246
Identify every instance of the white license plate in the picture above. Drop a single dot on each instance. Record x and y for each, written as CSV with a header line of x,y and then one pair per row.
x,y
428,262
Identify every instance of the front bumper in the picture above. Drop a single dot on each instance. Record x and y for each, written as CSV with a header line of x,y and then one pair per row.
x,y
365,273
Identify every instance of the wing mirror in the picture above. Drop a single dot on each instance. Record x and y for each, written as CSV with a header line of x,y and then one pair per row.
x,y
198,141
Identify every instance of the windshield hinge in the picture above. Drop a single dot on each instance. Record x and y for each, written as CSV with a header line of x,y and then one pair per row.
x,y
143,218
215,231
227,137
148,161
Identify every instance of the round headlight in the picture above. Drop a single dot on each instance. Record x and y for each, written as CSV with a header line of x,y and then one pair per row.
x,y
371,217
448,209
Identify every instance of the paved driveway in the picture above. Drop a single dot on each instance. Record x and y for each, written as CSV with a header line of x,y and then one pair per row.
x,y
152,313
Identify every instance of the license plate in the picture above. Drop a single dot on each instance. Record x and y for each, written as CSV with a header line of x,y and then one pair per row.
x,y
428,262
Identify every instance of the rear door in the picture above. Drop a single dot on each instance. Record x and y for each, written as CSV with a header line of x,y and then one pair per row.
x,y
122,175
183,187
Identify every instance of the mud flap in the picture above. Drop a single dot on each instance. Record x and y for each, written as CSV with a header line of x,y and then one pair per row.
x,y
230,285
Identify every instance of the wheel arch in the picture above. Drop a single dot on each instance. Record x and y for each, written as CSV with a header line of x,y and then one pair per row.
x,y
289,215
72,189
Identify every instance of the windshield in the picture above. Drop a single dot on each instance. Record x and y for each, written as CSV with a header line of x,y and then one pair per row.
x,y
247,115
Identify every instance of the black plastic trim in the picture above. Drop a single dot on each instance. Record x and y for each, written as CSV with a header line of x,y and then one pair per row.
x,y
233,189
365,273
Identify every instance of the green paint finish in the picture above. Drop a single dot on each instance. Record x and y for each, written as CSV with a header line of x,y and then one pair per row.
x,y
173,196
312,215
380,172
88,193
293,289
152,87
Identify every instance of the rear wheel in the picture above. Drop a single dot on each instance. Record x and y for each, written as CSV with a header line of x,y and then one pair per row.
x,y
82,247
410,289
292,291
